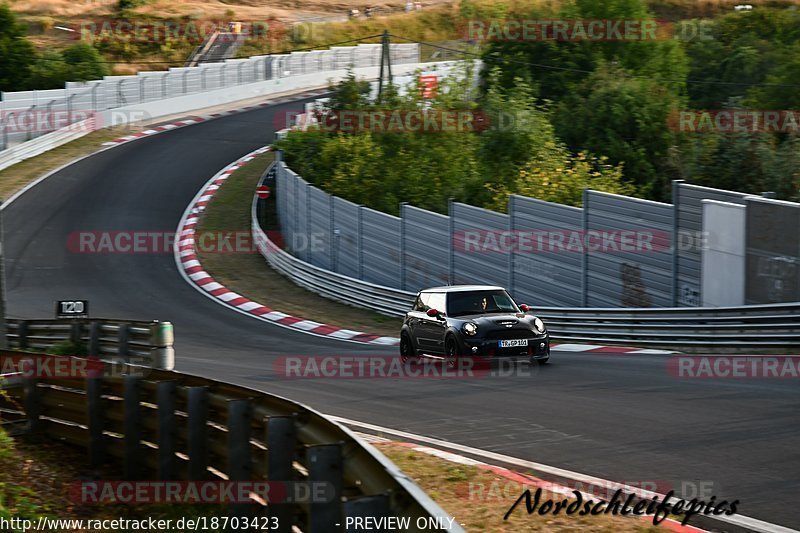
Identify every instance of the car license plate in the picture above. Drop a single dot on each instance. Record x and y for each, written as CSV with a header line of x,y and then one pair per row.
x,y
512,343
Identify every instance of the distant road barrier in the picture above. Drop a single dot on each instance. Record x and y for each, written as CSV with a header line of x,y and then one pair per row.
x,y
173,426
147,343
57,116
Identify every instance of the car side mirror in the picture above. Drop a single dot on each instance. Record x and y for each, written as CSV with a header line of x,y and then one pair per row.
x,y
433,313
524,308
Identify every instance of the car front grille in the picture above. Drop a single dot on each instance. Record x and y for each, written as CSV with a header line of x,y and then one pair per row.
x,y
510,333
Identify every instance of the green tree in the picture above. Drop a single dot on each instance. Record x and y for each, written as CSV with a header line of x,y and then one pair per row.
x,y
625,119
84,63
782,85
350,93
80,62
16,51
48,71
558,176
520,129
746,162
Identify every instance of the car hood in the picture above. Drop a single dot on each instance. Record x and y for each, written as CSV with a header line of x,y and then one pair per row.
x,y
497,319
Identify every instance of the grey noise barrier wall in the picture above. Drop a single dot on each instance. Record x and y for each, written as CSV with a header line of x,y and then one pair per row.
x,y
482,266
639,278
687,202
397,256
649,252
550,278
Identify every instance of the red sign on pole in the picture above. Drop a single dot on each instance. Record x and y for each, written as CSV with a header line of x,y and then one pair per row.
x,y
262,192
429,85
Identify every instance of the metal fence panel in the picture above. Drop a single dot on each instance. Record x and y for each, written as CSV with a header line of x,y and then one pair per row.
x,y
623,273
300,228
380,248
545,276
319,228
282,184
688,201
345,237
426,248
773,251
291,206
481,265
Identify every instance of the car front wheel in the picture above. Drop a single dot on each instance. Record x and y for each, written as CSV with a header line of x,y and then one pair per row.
x,y
451,353
408,354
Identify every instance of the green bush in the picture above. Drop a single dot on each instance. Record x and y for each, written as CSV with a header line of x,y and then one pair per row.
x,y
69,348
518,154
131,4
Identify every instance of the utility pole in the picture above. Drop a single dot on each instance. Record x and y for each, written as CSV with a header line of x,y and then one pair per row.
x,y
386,63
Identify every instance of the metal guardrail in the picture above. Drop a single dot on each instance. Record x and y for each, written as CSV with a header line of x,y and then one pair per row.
x,y
146,343
744,328
173,426
54,139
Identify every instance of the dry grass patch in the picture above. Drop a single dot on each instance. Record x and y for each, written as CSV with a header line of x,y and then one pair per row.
x,y
479,498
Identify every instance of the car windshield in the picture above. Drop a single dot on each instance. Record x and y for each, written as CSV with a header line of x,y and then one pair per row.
x,y
479,302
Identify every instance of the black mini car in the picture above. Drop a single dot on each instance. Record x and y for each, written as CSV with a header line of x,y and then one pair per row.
x,y
472,321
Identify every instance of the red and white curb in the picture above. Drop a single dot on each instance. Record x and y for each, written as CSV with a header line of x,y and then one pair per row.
x,y
203,118
615,350
189,265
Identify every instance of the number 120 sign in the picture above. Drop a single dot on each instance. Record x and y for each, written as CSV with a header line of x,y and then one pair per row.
x,y
72,309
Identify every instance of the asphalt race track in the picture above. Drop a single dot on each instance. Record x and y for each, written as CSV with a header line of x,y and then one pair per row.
x,y
620,417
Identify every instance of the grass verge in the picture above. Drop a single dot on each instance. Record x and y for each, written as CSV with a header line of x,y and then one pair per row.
x,y
247,273
39,479
479,498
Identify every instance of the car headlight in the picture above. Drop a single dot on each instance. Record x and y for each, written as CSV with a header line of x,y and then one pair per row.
x,y
538,324
470,328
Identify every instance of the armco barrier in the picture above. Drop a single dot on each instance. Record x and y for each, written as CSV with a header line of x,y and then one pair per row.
x,y
745,328
147,343
42,144
750,328
173,426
